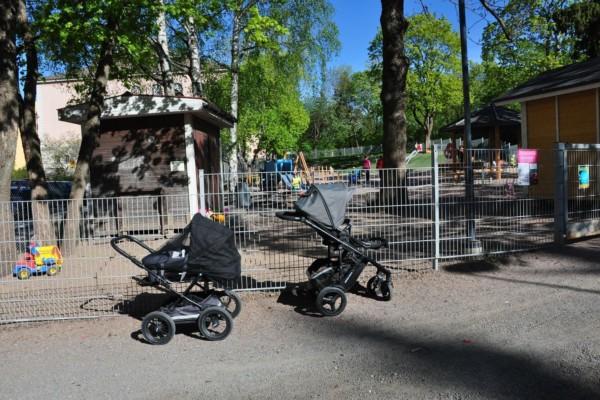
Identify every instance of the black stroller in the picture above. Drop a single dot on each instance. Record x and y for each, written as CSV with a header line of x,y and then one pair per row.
x,y
323,208
203,252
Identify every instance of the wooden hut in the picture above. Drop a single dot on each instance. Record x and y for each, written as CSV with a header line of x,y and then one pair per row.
x,y
561,105
149,154
499,125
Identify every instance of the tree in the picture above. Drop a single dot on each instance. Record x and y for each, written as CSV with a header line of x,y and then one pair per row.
x,y
533,45
27,113
102,37
582,22
272,116
433,82
249,31
9,95
393,97
393,89
300,31
9,113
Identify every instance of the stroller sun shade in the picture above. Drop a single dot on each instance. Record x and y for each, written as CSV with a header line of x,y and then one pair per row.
x,y
212,249
326,204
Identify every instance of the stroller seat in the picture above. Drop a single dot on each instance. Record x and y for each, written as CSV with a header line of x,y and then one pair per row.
x,y
166,262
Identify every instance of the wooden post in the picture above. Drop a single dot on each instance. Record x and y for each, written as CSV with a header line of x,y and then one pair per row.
x,y
498,157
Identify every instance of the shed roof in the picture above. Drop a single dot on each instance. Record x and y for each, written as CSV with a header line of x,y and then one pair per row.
x,y
489,116
570,78
128,105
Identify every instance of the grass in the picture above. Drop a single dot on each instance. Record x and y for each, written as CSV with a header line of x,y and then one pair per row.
x,y
423,160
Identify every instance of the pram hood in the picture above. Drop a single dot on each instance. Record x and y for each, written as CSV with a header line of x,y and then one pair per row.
x,y
212,248
325,204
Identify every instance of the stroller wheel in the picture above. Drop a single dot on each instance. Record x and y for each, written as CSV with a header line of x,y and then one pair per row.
x,y
379,288
215,323
231,301
158,328
331,301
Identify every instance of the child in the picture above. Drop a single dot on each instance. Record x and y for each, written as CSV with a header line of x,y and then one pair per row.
x,y
379,167
367,168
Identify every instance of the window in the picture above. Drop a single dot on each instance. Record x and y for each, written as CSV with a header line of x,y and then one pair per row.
x,y
178,89
157,90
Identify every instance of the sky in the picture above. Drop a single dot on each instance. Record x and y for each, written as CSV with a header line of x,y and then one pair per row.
x,y
358,21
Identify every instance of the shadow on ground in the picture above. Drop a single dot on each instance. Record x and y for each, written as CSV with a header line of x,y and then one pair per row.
x,y
463,368
485,269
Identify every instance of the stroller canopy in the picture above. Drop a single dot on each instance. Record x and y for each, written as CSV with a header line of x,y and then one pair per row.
x,y
325,204
212,249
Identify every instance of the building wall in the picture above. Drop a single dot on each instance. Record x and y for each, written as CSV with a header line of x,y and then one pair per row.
x,y
134,157
20,155
567,118
55,94
208,158
577,117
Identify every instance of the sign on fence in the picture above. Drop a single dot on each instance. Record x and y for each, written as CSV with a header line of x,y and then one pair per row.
x,y
527,167
583,172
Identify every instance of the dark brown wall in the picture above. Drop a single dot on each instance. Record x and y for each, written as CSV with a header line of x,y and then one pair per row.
x,y
207,147
134,156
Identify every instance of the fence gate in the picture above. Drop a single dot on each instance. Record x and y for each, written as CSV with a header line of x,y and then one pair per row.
x,y
577,190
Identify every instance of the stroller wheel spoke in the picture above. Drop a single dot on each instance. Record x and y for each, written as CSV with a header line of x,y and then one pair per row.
x,y
215,323
158,328
331,301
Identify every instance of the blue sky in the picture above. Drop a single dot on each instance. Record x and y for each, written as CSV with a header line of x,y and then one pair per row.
x,y
358,21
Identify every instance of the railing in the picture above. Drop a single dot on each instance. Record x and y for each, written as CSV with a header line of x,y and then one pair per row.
x,y
348,151
422,212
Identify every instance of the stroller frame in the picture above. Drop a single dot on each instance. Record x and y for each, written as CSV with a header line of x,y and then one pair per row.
x,y
331,299
187,307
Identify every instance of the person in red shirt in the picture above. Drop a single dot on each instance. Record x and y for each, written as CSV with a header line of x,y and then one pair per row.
x,y
367,168
379,166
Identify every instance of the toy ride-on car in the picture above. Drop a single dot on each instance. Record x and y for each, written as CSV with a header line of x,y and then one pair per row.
x,y
38,260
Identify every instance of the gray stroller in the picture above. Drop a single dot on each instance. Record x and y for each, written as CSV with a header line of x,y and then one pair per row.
x,y
323,208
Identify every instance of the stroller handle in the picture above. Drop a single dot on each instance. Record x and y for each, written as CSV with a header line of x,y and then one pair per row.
x,y
114,243
290,216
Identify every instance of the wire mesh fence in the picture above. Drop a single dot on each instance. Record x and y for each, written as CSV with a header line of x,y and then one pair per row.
x,y
426,215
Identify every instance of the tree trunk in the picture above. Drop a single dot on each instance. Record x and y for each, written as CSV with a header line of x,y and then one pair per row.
x,y
9,95
393,99
164,56
9,121
428,130
43,226
90,131
195,69
235,70
28,125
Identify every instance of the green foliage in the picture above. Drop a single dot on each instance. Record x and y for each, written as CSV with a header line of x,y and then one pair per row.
x,y
535,46
282,43
581,21
73,34
434,81
271,113
351,116
433,86
20,174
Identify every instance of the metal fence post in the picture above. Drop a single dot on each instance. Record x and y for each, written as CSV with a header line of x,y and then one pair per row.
x,y
435,191
202,194
560,195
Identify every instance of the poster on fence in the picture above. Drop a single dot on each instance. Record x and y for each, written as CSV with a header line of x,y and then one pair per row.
x,y
583,172
527,168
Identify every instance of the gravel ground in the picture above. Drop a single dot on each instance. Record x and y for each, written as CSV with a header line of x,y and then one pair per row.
x,y
524,327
